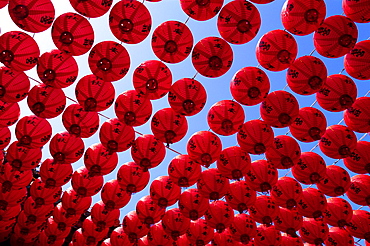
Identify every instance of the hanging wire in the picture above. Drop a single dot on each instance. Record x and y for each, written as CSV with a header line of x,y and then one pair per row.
x,y
187,20
312,52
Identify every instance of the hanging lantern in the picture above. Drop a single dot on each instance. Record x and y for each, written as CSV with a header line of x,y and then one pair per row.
x,y
303,17
84,184
234,163
33,132
103,218
116,136
357,117
225,117
276,50
285,152
335,37
118,237
73,203
164,191
338,213
91,232
359,159
158,236
310,169
314,231
288,221
130,21
45,101
357,11
263,210
261,176
99,160
358,191
336,182
286,192
169,126
148,151
5,137
14,179
291,241
279,109
66,148
238,22
42,195
199,232
132,108
36,212
175,223
219,215
18,50
360,225
54,174
134,227
184,171
240,196
79,122
201,10
356,61
22,158
62,219
9,113
192,204
250,86
255,137
212,184
339,236
132,177
338,142
73,34
243,229
52,231
113,196
312,203
12,198
224,238
148,210
212,57
267,236
14,85
91,9
204,147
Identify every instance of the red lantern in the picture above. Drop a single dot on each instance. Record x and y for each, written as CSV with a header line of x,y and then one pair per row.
x,y
148,151
312,203
314,231
153,79
212,184
169,126
13,179
338,142
119,237
192,204
94,94
224,238
116,135
134,227
309,125
201,10
285,152
84,184
42,195
279,109
10,213
75,204
79,122
291,241
133,108
148,210
310,169
359,159
357,11
335,37
175,223
199,232
338,236
337,94
303,17
358,191
109,61
239,22
338,213
91,9
49,240
212,57
261,176
204,147
52,231
113,196
22,158
243,228
240,196
357,117
99,161
360,225
255,137
158,236
219,215
9,113
276,50
14,85
233,162
250,86
286,192
11,198
307,74
225,117
66,148
35,212
46,101
19,51
130,21
336,182
187,96
24,235
263,210
132,177
3,3
288,221
184,171
164,191
172,41
32,15
57,69
33,132
356,61
73,34
102,217
92,233
64,221
54,174
267,236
